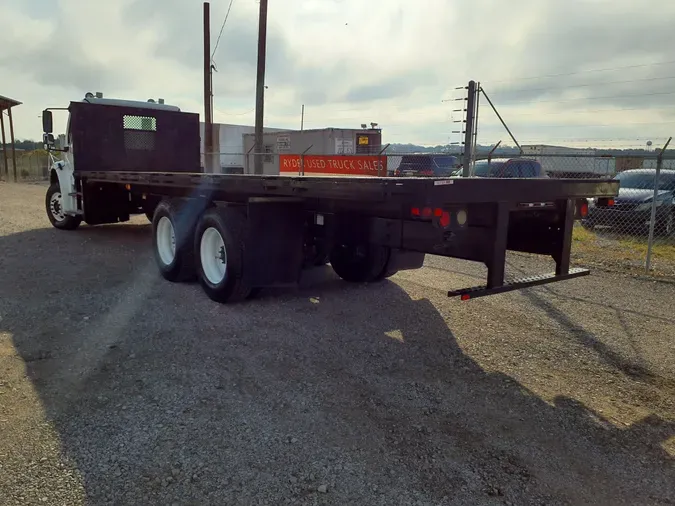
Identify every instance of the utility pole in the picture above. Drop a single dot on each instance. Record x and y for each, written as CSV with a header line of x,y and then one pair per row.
x,y
302,118
208,92
260,88
468,128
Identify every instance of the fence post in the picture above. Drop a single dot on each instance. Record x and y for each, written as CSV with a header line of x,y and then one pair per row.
x,y
379,161
652,219
301,169
468,128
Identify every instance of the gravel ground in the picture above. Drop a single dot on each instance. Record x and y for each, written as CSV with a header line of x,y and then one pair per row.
x,y
117,387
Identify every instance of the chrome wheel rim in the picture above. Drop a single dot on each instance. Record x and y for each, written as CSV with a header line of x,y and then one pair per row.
x,y
213,256
56,206
166,240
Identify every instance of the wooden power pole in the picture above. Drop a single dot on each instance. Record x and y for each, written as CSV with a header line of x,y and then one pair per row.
x,y
208,92
260,88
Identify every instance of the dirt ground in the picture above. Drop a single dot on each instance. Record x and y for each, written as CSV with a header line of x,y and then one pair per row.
x,y
117,387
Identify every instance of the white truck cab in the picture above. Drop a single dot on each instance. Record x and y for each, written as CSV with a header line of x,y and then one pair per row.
x,y
65,207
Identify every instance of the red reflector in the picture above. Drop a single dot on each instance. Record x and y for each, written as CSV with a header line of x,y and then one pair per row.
x,y
584,209
466,296
426,212
438,212
445,219
610,202
415,211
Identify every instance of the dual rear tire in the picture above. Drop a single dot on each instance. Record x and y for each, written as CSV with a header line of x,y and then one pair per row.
x,y
209,246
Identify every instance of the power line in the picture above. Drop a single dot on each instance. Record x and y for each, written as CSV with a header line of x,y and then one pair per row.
x,y
591,84
564,74
591,98
227,14
586,111
617,125
234,114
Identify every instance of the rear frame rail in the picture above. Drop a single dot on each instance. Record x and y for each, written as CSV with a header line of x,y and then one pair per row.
x,y
517,284
558,245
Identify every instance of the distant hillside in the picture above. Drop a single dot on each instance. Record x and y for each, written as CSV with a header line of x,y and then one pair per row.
x,y
500,151
415,148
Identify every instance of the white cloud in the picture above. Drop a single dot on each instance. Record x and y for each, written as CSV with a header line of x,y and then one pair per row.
x,y
349,61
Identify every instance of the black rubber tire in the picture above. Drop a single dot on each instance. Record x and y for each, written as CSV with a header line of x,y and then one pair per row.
x,y
255,291
360,264
587,225
69,222
666,226
321,260
183,217
230,222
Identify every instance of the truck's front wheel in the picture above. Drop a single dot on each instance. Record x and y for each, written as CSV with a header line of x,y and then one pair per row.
x,y
55,212
219,251
173,227
363,263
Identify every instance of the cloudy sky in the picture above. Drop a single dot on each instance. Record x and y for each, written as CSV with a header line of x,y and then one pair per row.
x,y
589,72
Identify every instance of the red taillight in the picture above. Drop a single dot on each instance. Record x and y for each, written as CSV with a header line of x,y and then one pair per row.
x,y
438,212
444,221
610,202
426,212
415,211
583,209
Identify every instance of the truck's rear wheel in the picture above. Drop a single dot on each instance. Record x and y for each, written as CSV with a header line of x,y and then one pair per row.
x,y
361,263
55,213
172,232
219,250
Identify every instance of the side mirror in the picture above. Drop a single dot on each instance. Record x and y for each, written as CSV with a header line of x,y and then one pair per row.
x,y
47,126
48,141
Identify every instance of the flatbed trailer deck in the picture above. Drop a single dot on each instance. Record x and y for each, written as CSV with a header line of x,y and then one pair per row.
x,y
239,233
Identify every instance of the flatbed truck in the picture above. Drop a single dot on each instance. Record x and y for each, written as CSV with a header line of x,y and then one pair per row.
x,y
239,233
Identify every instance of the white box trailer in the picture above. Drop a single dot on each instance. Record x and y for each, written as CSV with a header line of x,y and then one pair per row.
x,y
228,145
365,142
581,162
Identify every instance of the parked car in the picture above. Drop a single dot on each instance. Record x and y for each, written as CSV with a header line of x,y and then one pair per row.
x,y
632,208
426,165
508,167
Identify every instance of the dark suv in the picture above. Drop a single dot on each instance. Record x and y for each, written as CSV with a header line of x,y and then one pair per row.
x,y
632,208
426,165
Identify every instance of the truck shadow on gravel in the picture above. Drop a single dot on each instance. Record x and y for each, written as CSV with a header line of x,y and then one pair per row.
x,y
327,394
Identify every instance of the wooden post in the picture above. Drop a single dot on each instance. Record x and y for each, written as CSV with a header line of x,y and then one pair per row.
x,y
11,139
208,119
4,144
260,88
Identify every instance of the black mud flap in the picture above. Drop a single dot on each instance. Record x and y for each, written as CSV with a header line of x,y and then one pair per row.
x,y
274,242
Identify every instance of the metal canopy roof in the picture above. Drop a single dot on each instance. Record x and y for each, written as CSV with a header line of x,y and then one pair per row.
x,y
7,103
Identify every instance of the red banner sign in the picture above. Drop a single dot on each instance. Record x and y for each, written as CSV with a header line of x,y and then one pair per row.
x,y
333,165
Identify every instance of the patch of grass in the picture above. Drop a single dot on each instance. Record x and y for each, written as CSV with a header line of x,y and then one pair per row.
x,y
621,251
581,235
659,249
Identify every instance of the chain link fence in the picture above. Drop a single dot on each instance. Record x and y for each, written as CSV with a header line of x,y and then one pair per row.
x,y
30,166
